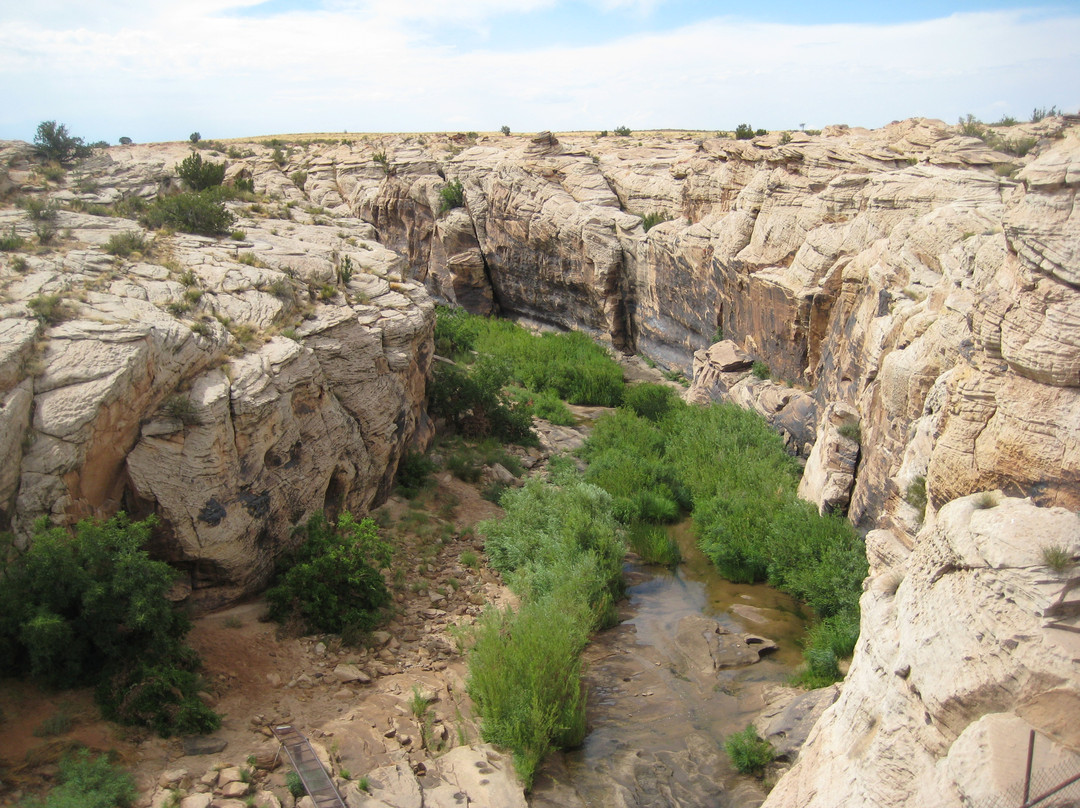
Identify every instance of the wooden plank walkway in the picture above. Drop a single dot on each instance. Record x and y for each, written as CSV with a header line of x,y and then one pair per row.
x,y
308,766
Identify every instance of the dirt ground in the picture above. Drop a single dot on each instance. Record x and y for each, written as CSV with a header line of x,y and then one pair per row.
x,y
258,672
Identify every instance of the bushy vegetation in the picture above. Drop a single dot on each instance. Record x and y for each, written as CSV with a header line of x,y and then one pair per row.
x,y
623,131
91,609
731,469
414,473
472,401
201,212
333,582
749,752
89,782
652,219
199,175
53,143
560,548
124,244
451,195
570,364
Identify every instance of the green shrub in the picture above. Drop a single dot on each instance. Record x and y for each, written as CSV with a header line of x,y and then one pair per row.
x,y
199,175
451,195
91,782
551,408
53,143
650,401
525,679
1057,558
182,408
194,137
1039,113
650,220
299,179
414,473
623,131
38,209
744,131
201,212
163,697
12,241
92,608
471,400
851,430
560,548
749,752
295,785
49,309
760,370
124,244
916,495
505,129
332,582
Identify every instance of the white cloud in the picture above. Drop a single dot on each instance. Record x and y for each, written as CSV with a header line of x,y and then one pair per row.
x,y
162,68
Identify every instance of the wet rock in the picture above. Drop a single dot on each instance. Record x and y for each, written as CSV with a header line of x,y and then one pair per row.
x,y
708,647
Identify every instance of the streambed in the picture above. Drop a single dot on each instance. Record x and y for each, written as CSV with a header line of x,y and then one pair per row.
x,y
657,716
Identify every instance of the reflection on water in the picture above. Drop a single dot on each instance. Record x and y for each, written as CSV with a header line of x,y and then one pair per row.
x,y
696,588
657,728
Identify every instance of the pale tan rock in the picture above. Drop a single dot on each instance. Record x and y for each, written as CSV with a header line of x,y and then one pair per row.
x,y
830,469
937,653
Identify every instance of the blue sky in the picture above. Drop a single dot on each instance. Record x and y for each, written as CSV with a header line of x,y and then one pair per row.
x,y
160,69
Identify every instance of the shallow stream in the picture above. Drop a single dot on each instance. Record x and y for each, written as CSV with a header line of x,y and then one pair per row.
x,y
657,718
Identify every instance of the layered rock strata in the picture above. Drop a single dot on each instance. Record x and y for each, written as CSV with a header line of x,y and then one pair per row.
x,y
909,280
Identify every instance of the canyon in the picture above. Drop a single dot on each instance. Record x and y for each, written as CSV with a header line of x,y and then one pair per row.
x,y
909,286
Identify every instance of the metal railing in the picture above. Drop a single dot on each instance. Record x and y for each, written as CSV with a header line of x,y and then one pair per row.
x,y
308,767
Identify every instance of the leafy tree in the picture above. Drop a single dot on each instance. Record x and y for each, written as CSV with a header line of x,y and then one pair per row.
x,y
199,175
332,582
744,131
194,137
52,142
505,129
125,141
91,608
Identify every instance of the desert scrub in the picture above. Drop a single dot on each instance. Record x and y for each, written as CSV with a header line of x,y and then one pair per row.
x,y
124,244
451,195
11,241
49,309
650,220
103,625
1057,558
90,782
915,495
332,582
182,408
760,370
851,430
414,474
749,753
199,175
199,212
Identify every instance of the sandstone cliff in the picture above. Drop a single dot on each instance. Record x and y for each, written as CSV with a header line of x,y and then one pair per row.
x,y
231,387
913,295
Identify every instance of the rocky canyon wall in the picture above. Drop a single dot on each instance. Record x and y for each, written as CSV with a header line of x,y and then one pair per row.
x,y
911,299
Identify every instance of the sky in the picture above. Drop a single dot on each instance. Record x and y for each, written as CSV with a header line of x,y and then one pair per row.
x,y
156,70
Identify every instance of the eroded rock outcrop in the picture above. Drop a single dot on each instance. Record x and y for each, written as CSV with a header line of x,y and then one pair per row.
x,y
962,652
231,387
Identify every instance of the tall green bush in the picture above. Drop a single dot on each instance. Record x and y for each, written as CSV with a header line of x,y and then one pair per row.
x,y
561,549
333,582
91,608
199,175
53,143
201,212
91,782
